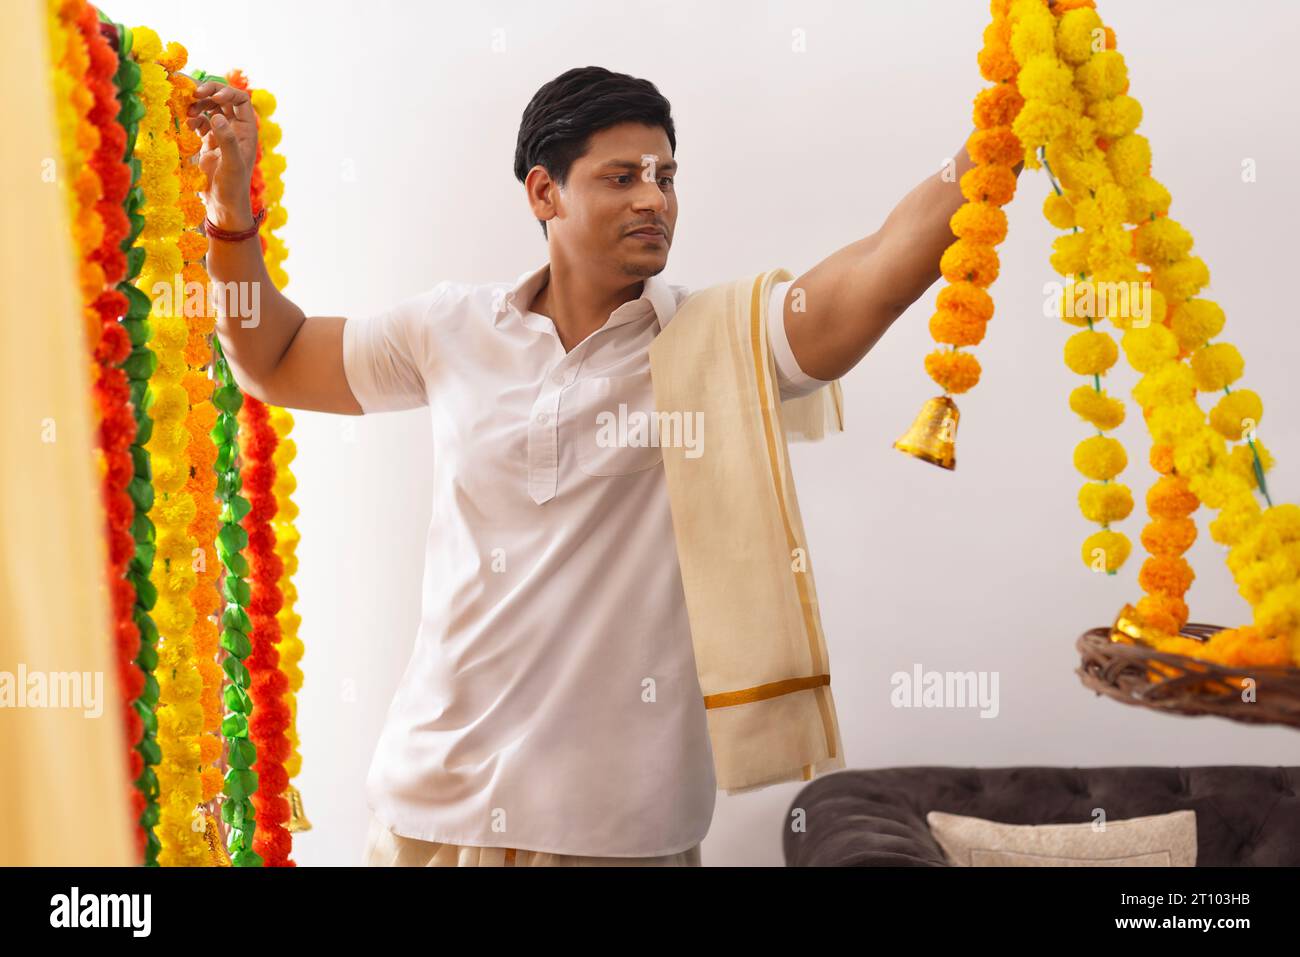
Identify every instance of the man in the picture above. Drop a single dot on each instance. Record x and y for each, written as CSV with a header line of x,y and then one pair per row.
x,y
551,712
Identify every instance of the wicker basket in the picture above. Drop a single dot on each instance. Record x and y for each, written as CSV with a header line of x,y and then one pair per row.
x,y
1138,674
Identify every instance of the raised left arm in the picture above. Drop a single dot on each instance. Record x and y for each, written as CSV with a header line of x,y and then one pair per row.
x,y
850,298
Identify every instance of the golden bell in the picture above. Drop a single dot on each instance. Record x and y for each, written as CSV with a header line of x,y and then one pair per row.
x,y
297,819
933,436
216,846
1129,627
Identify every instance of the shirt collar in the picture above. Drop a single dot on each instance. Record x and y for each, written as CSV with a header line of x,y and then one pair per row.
x,y
655,291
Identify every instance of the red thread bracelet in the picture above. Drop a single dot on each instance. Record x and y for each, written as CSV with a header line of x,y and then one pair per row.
x,y
214,231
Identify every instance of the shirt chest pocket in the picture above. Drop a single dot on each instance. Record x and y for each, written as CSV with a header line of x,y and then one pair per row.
x,y
612,420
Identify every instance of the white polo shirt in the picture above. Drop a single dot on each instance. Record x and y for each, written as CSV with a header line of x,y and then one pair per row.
x,y
551,702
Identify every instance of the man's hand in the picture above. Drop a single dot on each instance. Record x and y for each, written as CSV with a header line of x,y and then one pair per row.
x,y
223,115
852,297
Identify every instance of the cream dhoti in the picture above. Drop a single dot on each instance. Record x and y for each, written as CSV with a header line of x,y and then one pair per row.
x,y
746,571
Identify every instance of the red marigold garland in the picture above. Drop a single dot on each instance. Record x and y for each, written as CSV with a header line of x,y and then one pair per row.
x,y
270,718
138,366
269,724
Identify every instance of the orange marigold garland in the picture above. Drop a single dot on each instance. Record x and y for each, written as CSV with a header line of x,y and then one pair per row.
x,y
1170,533
200,314
970,263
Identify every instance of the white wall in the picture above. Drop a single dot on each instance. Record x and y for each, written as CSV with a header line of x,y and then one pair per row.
x,y
399,129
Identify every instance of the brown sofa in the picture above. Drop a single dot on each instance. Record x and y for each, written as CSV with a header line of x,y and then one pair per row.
x,y
1245,816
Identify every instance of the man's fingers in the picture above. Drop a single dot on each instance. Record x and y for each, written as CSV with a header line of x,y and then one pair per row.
x,y
226,97
225,136
244,109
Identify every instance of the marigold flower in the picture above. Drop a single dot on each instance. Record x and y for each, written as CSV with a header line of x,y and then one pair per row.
x,y
997,106
1234,521
1100,457
1090,352
1147,197
1162,241
1098,408
1106,550
1167,613
1074,34
1169,497
981,223
969,262
956,328
993,184
1183,279
1166,385
1170,574
996,146
1161,458
1195,322
1106,502
955,372
1058,211
1169,536
1102,76
1149,347
1217,366
1237,414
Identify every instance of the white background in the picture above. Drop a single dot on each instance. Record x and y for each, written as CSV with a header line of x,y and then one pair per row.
x,y
399,130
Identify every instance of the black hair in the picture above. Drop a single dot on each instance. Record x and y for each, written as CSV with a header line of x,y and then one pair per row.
x,y
560,119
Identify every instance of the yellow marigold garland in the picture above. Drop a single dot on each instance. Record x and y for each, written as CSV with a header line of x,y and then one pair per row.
x,y
1096,221
1086,131
180,713
286,546
272,165
78,140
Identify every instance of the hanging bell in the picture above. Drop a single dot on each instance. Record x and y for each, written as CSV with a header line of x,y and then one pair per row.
x,y
933,435
216,846
297,819
1129,627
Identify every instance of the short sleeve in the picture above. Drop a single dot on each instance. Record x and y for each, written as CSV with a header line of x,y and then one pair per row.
x,y
386,356
793,381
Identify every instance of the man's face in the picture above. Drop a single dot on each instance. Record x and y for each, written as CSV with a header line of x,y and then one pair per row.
x,y
622,184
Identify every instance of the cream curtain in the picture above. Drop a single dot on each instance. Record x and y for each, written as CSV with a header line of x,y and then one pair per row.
x,y
63,776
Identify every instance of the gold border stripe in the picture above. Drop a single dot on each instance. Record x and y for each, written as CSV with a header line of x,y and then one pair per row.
x,y
773,689
756,331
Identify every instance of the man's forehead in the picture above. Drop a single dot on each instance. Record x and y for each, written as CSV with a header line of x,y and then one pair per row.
x,y
643,161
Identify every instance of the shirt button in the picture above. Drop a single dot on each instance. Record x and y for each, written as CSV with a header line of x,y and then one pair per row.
x,y
541,417
559,378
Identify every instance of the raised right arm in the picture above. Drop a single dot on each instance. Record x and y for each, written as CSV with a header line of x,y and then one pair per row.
x,y
277,353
